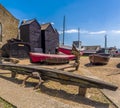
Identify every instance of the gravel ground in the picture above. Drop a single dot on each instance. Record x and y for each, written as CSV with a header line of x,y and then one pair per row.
x,y
56,95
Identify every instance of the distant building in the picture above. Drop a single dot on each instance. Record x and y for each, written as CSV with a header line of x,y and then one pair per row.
x,y
110,50
42,38
87,50
8,26
50,38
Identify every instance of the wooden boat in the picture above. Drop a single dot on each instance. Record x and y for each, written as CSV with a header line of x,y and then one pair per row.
x,y
67,50
99,58
50,58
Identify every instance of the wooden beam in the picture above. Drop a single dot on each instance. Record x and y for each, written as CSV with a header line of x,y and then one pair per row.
x,y
54,74
113,97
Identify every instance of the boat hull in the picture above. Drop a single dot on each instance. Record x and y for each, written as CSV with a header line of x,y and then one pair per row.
x,y
50,58
99,58
67,50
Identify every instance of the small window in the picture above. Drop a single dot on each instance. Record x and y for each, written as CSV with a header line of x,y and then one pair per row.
x,y
0,32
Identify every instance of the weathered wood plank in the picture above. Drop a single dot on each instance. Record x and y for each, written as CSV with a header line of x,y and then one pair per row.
x,y
114,97
59,75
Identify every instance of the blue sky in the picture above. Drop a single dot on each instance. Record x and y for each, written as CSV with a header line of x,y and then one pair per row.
x,y
95,18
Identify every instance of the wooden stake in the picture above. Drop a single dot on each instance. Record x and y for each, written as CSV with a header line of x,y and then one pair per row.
x,y
82,91
13,74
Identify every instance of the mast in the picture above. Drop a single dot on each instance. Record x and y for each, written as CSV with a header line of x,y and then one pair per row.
x,y
63,29
79,38
105,43
78,34
79,42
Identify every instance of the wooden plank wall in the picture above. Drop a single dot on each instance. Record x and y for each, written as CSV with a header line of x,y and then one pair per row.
x,y
51,40
35,35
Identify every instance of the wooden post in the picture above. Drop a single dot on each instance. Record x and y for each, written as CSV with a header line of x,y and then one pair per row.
x,y
13,74
82,91
77,62
1,56
76,52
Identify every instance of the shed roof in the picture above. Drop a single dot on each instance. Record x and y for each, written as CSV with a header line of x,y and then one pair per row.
x,y
26,22
45,26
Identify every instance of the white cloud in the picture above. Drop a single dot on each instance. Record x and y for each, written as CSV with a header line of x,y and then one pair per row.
x,y
52,23
60,32
71,31
47,22
98,32
116,31
84,31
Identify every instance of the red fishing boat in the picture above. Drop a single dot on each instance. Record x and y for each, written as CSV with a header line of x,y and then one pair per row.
x,y
67,50
50,58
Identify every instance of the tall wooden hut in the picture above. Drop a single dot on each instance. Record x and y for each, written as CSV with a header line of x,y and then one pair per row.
x,y
50,38
30,32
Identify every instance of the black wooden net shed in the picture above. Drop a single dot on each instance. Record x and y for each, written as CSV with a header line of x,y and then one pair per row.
x,y
16,48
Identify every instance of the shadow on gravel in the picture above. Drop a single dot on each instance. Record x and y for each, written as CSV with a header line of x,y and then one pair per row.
x,y
118,65
72,97
93,65
59,93
17,81
10,79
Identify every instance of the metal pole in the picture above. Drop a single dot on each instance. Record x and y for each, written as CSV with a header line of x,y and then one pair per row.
x,y
63,29
105,43
78,34
79,38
